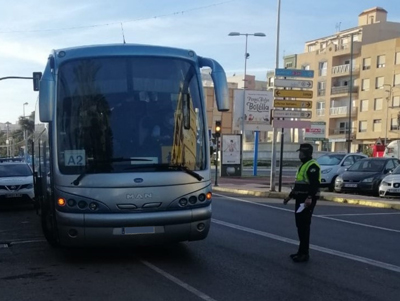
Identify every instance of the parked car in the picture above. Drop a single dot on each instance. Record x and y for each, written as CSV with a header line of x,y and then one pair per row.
x,y
365,175
333,164
16,182
390,185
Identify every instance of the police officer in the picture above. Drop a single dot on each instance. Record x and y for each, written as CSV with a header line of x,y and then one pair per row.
x,y
306,193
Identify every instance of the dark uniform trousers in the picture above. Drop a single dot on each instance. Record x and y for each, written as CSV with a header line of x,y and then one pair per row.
x,y
303,223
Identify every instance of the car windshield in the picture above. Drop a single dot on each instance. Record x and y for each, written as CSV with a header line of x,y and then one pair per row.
x,y
330,159
144,108
15,170
368,166
396,171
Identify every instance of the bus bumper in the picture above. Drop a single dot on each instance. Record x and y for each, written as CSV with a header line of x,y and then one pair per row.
x,y
143,228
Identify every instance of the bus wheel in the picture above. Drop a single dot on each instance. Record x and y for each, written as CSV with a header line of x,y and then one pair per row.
x,y
48,226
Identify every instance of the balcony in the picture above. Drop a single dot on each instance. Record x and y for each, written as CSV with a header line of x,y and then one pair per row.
x,y
340,112
320,112
345,49
342,91
342,70
342,132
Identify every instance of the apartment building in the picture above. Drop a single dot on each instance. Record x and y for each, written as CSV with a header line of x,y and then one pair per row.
x,y
356,81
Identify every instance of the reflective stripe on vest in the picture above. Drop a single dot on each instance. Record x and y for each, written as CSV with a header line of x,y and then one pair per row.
x,y
301,175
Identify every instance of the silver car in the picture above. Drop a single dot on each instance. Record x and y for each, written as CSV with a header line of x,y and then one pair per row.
x,y
16,182
333,164
390,185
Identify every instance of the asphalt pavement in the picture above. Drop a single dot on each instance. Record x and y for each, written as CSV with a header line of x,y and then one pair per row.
x,y
260,186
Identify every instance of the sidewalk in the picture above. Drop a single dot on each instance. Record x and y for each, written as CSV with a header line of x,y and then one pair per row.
x,y
259,186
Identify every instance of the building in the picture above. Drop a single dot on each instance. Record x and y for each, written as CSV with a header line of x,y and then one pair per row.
x,y
356,82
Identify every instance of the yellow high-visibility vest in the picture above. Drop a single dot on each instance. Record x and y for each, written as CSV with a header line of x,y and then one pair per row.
x,y
301,175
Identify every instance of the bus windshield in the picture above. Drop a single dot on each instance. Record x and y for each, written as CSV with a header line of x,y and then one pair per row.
x,y
114,112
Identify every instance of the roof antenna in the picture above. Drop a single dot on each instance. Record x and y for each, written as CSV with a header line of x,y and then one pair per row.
x,y
338,26
123,36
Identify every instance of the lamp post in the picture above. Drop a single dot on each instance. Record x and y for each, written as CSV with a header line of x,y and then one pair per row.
x,y
246,56
8,141
25,141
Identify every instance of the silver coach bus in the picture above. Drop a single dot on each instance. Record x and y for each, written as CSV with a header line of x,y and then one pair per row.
x,y
121,148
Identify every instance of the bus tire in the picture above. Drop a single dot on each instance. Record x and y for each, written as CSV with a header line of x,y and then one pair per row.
x,y
49,226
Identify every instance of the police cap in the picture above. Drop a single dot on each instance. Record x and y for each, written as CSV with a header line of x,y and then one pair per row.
x,y
306,147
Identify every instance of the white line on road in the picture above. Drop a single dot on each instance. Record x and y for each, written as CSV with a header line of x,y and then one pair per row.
x,y
365,260
178,282
315,215
360,214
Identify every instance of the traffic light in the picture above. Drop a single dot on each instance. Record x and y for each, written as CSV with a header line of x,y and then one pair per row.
x,y
217,128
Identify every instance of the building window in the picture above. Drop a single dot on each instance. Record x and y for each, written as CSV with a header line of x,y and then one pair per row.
x,y
396,101
381,61
305,67
311,48
379,82
378,104
397,58
365,84
396,79
394,124
364,105
289,65
366,63
362,126
377,125
323,67
321,108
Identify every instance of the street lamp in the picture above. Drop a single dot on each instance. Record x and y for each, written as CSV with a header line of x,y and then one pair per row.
x,y
7,141
246,56
25,141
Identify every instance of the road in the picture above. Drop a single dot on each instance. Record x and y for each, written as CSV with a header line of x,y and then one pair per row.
x,y
354,256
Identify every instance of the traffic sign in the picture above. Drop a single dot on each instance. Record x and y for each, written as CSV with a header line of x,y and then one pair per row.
x,y
293,93
292,114
293,83
291,124
293,104
294,73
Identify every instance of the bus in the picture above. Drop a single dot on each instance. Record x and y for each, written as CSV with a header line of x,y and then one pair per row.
x,y
121,148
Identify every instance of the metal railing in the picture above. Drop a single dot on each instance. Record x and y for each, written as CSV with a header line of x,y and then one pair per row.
x,y
344,110
342,131
343,90
320,112
344,69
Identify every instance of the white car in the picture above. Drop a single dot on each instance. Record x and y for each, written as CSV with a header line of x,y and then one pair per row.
x,y
333,164
390,185
16,182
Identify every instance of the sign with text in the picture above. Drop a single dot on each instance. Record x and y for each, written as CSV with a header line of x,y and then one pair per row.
x,y
292,114
294,73
231,159
293,83
292,104
315,132
257,110
293,93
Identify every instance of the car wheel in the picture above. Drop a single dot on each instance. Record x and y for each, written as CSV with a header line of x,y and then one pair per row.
x,y
331,187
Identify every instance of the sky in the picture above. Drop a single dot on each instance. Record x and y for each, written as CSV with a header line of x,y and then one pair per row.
x,y
30,29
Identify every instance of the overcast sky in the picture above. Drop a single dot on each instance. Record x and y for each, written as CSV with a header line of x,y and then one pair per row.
x,y
30,29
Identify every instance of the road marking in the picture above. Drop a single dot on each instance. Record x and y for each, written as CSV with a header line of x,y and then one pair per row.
x,y
20,242
361,259
314,215
178,282
361,214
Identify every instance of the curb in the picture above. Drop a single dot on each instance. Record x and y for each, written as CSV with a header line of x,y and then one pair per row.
x,y
278,195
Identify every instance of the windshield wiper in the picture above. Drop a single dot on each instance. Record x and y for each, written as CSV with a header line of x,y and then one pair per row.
x,y
89,168
180,167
